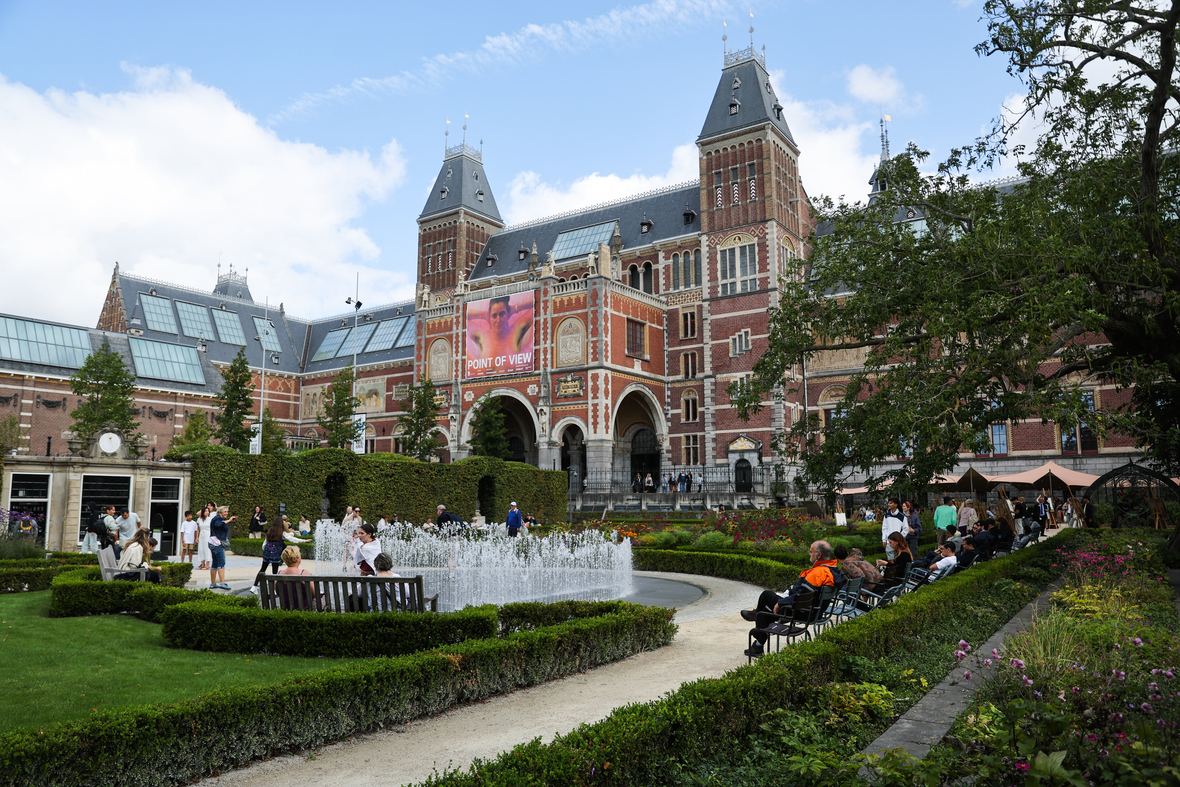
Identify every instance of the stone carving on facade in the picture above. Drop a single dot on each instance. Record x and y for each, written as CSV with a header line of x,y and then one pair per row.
x,y
461,283
51,404
547,270
571,343
440,361
424,296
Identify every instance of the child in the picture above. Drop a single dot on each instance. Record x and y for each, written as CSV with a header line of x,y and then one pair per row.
x,y
189,530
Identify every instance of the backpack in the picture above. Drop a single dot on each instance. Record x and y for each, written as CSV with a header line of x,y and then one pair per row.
x,y
272,551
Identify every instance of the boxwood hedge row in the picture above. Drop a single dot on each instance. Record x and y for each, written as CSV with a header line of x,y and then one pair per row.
x,y
650,743
81,591
378,483
168,744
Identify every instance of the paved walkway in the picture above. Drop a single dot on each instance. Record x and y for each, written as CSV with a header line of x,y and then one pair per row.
x,y
709,644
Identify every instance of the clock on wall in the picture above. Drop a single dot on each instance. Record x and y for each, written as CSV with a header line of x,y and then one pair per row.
x,y
109,442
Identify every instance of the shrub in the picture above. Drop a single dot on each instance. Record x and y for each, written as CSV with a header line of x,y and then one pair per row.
x,y
252,547
714,539
147,601
81,591
26,580
761,571
530,615
169,744
201,625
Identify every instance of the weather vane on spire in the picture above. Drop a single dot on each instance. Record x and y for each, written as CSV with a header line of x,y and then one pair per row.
x,y
751,30
465,116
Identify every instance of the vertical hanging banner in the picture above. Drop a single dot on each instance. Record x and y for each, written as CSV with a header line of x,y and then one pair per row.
x,y
256,438
500,335
358,442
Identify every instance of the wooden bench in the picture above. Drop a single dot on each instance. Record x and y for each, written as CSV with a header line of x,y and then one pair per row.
x,y
344,594
110,567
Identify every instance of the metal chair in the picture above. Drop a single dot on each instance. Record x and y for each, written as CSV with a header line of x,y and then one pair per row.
x,y
847,602
821,613
791,625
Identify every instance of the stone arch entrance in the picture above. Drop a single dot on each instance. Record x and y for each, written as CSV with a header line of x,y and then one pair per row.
x,y
519,422
743,476
638,434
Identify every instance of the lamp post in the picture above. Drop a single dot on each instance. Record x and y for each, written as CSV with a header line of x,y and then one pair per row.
x,y
356,317
265,352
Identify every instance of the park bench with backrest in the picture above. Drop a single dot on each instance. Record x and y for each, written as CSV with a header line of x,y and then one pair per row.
x,y
344,594
110,567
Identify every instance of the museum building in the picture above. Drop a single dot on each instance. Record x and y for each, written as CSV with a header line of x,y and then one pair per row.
x,y
611,334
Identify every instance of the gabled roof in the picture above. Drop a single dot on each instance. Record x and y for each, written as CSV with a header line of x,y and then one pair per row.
x,y
756,102
664,210
461,183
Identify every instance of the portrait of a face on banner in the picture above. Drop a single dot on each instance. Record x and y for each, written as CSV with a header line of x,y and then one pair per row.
x,y
500,335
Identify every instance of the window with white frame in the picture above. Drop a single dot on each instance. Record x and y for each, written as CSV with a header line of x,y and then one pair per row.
x,y
688,324
688,365
738,269
688,406
740,342
691,449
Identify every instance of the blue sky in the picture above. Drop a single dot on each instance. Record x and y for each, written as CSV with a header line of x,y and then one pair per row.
x,y
300,139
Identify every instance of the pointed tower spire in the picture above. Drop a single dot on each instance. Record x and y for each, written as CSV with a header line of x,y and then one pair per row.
x,y
884,138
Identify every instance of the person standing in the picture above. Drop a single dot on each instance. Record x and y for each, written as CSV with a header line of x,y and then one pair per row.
x,y
1089,512
366,549
218,538
968,516
649,485
514,519
93,527
914,522
203,520
128,523
272,550
944,518
109,537
189,532
894,521
257,523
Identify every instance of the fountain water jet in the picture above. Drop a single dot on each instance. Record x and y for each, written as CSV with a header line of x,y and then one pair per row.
x,y
492,568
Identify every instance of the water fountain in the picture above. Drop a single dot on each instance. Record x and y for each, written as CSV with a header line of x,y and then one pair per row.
x,y
477,567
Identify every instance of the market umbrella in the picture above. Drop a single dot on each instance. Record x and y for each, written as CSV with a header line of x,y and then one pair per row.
x,y
1049,475
971,481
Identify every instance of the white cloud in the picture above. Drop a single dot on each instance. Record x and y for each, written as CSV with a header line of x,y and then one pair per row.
x,y
162,177
529,197
516,47
832,142
882,88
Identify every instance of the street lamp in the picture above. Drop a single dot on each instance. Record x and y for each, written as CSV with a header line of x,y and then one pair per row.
x,y
356,304
265,352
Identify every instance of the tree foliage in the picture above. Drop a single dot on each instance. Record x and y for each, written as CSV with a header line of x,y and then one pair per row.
x,y
971,306
12,434
196,432
236,400
108,387
339,405
418,424
273,434
488,435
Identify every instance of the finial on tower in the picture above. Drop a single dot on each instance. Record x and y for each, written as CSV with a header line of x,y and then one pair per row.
x,y
446,135
884,138
751,28
465,116
724,36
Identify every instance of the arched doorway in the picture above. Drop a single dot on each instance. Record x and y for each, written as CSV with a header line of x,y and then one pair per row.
x,y
519,428
638,435
743,476
645,453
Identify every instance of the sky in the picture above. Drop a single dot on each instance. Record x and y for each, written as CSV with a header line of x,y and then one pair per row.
x,y
300,140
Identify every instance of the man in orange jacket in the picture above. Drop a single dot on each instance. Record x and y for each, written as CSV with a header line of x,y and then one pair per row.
x,y
824,571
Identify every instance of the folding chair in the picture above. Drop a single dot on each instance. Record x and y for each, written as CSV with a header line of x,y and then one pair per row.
x,y
791,625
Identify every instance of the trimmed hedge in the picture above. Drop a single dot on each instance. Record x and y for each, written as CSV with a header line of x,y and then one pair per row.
x,y
743,568
82,591
168,744
530,615
378,483
27,580
252,547
651,743
147,601
201,625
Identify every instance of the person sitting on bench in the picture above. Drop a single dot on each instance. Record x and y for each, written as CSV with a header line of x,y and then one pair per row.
x,y
823,572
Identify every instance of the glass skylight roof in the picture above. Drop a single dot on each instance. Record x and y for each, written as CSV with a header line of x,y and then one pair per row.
x,y
331,344
363,332
194,320
229,327
386,335
407,337
575,243
158,313
269,334
37,342
160,361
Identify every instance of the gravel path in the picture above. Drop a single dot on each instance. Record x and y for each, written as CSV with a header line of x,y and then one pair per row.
x,y
710,642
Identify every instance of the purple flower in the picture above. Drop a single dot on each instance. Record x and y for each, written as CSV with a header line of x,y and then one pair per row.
x,y
1022,766
1138,642
987,662
960,655
1017,663
1145,707
1153,686
1116,717
1092,738
1076,690
963,645
967,675
995,653
1120,674
1027,680
1170,673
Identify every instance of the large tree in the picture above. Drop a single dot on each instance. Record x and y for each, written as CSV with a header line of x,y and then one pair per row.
x,y
273,434
236,400
488,435
974,305
418,424
339,405
108,387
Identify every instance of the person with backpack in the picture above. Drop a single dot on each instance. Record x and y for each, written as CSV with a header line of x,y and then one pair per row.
x,y
272,550
914,522
825,571
94,529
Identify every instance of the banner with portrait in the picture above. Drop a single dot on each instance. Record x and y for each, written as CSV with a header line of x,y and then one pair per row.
x,y
500,335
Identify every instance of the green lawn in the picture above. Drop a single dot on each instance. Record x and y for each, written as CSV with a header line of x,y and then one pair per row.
x,y
60,669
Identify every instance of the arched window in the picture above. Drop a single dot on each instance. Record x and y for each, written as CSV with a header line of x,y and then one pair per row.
x,y
647,277
696,267
635,277
688,406
676,271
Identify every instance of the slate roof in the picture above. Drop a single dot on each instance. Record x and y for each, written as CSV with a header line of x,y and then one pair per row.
x,y
664,208
319,330
757,102
461,183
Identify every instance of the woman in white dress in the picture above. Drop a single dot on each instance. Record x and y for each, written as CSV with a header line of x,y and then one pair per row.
x,y
203,537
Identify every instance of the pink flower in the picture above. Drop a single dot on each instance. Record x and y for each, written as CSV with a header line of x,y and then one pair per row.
x,y
1022,766
1092,738
963,645
960,655
1027,680
967,675
995,653
987,662
1145,707
1153,686
1017,663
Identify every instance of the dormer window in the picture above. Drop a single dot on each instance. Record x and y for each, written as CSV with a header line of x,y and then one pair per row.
x,y
734,105
736,83
778,111
522,254
479,195
475,174
492,259
444,192
645,226
689,216
448,173
768,90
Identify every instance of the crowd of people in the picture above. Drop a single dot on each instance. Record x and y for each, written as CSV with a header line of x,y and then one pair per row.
x,y
647,484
